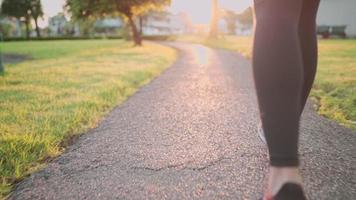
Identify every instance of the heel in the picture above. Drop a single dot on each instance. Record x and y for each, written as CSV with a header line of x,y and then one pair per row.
x,y
290,191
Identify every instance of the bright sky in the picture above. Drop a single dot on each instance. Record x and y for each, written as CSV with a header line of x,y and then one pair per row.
x,y
198,9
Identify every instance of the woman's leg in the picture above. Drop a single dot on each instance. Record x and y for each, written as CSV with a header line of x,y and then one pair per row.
x,y
308,42
284,65
278,75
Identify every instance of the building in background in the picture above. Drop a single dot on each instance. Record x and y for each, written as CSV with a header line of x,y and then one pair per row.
x,y
338,13
57,25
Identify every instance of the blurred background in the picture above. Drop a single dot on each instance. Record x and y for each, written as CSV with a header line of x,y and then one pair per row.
x,y
58,19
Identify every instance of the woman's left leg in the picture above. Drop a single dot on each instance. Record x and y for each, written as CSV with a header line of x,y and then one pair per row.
x,y
308,44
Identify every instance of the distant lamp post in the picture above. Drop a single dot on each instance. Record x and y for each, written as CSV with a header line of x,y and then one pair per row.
x,y
2,68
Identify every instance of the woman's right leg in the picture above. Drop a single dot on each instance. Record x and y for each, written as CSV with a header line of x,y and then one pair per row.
x,y
278,75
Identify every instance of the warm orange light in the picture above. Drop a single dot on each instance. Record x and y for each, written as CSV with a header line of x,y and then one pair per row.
x,y
200,10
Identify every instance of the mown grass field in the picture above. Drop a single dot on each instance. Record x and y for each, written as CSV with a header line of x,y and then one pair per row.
x,y
335,86
66,89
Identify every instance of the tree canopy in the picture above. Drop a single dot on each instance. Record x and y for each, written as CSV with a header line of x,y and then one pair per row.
x,y
14,8
82,9
23,9
230,18
246,17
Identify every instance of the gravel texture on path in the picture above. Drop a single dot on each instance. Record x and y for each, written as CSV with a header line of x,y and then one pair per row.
x,y
191,134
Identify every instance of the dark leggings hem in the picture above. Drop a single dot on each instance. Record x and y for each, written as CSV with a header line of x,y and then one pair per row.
x,y
284,162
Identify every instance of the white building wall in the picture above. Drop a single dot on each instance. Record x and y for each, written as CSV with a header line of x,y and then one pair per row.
x,y
338,12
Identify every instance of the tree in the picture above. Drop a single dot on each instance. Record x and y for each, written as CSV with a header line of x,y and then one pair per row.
x,y
82,9
214,19
35,7
230,18
86,27
23,9
17,9
246,17
14,8
5,29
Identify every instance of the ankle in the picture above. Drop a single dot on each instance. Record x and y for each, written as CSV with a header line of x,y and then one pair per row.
x,y
278,176
291,173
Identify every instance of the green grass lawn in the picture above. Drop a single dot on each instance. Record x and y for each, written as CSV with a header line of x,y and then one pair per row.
x,y
66,89
335,86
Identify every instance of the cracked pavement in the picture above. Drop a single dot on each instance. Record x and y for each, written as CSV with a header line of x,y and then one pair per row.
x,y
191,134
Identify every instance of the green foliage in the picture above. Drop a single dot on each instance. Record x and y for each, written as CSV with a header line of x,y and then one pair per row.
x,y
26,9
14,8
5,29
86,9
230,18
22,8
86,26
64,91
35,7
246,17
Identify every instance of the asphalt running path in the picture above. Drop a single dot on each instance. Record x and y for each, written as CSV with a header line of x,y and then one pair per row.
x,y
191,134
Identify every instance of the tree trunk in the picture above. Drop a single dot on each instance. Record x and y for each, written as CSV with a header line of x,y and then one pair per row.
x,y
214,19
135,34
141,25
37,28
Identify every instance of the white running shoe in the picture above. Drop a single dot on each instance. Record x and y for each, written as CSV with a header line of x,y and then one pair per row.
x,y
261,133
